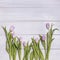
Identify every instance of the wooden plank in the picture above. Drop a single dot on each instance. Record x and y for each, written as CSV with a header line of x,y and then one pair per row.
x,y
29,3
29,14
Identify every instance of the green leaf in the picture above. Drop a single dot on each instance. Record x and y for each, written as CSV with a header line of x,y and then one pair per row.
x,y
4,28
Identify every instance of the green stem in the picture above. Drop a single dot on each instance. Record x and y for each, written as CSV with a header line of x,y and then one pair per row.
x,y
47,55
10,57
14,57
26,58
19,54
36,57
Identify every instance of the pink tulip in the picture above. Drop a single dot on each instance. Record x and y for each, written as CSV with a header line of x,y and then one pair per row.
x,y
12,28
47,25
13,34
43,37
36,39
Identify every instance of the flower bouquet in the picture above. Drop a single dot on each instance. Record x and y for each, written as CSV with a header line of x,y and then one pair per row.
x,y
32,51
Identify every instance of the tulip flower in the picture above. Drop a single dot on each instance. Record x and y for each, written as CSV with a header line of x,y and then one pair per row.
x,y
36,39
13,34
47,25
43,37
10,47
26,51
11,28
49,40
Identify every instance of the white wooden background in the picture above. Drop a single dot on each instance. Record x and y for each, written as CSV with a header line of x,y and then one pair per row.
x,y
29,18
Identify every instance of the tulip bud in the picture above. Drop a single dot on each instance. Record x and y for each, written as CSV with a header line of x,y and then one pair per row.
x,y
13,34
36,39
43,37
12,28
47,25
